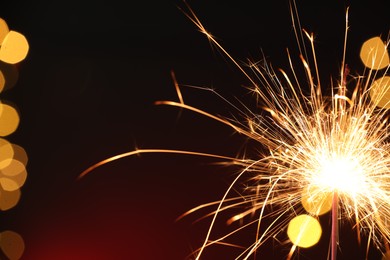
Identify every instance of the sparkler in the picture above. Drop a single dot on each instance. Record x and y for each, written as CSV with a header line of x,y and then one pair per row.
x,y
324,153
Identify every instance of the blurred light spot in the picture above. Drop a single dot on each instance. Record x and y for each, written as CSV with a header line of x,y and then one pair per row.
x,y
304,231
12,244
380,92
9,199
2,81
20,154
9,119
317,202
6,153
15,171
8,184
9,75
3,29
374,54
14,48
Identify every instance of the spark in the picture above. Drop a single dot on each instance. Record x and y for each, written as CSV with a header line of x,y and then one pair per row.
x,y
318,146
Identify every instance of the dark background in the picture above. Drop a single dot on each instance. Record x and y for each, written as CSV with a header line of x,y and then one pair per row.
x,y
86,91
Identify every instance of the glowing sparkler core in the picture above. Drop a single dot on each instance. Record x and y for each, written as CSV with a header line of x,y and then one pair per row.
x,y
341,175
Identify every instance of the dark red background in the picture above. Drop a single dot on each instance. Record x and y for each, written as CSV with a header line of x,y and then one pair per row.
x,y
86,92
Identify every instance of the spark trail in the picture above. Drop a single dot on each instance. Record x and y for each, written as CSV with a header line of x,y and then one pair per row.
x,y
324,153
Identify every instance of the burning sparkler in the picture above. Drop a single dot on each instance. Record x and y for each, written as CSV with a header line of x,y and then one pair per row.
x,y
325,153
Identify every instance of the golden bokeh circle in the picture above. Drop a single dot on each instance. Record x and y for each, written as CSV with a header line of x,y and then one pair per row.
x,y
374,54
9,119
304,231
14,48
12,244
316,202
4,30
9,199
6,153
380,92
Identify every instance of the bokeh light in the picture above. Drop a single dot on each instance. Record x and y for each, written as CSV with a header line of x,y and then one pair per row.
x,y
316,202
9,75
8,184
9,199
14,48
13,158
380,92
6,153
374,54
12,244
2,81
20,154
9,119
14,174
304,231
3,30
